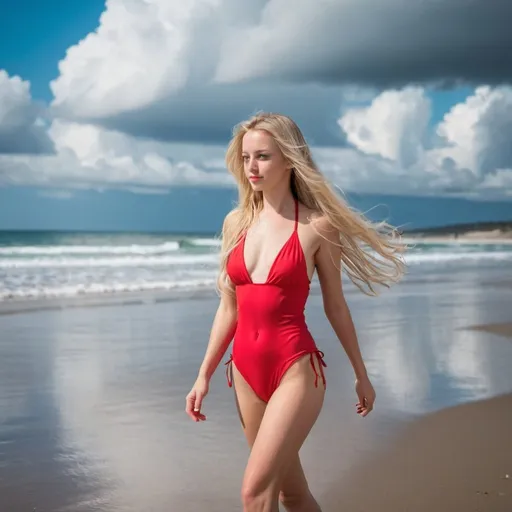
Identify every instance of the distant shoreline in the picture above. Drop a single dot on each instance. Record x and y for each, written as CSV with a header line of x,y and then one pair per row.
x,y
496,228
474,233
457,240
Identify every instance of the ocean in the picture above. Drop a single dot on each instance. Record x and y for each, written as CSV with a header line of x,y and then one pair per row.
x,y
52,264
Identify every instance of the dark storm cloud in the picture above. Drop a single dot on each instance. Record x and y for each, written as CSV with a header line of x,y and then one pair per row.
x,y
208,114
382,44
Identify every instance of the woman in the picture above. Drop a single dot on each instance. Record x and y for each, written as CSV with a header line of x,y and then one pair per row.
x,y
287,224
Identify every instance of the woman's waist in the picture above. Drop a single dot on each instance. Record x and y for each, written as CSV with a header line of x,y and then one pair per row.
x,y
296,324
294,336
271,317
270,302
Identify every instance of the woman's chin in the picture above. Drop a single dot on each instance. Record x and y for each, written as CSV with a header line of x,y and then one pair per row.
x,y
257,185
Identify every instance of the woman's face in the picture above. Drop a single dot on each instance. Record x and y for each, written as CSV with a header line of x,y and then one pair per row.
x,y
264,164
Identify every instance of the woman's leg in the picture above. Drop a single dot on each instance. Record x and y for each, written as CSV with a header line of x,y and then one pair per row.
x,y
250,407
274,464
295,494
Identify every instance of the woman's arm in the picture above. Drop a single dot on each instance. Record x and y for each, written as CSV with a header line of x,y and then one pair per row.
x,y
223,329
328,265
224,323
222,332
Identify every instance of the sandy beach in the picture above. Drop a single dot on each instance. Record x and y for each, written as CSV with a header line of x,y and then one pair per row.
x,y
93,404
504,329
451,460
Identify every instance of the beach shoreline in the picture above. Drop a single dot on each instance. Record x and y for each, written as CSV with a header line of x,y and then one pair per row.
x,y
96,300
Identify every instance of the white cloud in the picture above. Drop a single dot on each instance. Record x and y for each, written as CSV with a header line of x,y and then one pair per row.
x,y
393,126
89,156
499,182
21,128
141,52
394,156
478,132
15,102
473,150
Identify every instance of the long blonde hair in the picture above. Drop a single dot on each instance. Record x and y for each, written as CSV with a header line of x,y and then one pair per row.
x,y
311,188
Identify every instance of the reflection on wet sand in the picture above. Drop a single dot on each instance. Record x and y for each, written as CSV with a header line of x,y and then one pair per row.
x,y
93,399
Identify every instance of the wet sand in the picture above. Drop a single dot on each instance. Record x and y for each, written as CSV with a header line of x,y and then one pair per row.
x,y
458,459
500,329
92,403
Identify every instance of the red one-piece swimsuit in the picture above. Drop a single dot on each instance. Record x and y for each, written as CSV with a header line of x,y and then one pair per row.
x,y
271,332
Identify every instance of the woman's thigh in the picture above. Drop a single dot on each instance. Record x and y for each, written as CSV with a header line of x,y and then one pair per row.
x,y
251,410
287,420
250,407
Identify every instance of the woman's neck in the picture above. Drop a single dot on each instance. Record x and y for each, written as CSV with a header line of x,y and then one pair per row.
x,y
279,200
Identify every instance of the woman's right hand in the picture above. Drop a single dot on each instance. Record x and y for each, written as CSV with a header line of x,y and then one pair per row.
x,y
195,398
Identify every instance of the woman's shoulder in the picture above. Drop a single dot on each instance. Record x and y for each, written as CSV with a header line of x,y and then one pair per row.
x,y
314,218
231,218
318,222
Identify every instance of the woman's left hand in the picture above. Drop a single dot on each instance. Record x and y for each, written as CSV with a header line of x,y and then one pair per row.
x,y
366,395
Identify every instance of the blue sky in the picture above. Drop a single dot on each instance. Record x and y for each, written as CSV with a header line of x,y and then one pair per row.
x,y
38,35
132,111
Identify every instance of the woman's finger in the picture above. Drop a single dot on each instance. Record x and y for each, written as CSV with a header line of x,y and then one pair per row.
x,y
198,403
189,407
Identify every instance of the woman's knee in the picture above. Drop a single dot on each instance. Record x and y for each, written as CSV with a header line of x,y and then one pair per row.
x,y
249,495
256,491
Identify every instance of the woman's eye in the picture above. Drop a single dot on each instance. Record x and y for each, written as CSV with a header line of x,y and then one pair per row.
x,y
260,156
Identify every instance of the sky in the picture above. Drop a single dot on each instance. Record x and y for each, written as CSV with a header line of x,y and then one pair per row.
x,y
116,115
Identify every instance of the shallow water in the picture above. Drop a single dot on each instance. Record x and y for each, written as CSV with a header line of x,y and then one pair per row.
x,y
92,399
